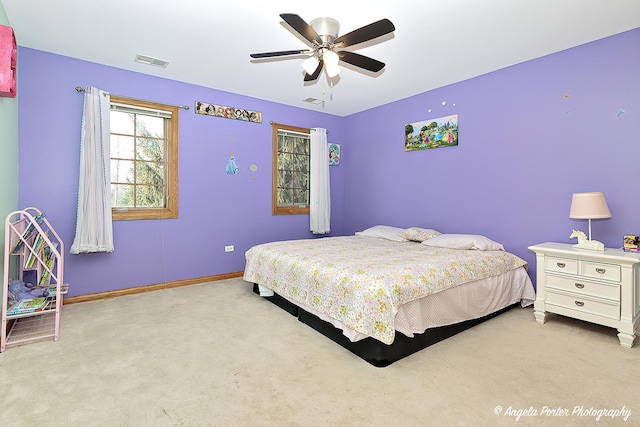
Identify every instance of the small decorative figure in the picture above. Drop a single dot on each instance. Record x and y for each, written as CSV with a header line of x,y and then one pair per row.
x,y
584,243
232,168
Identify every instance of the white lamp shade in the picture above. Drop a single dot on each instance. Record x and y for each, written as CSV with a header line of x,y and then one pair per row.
x,y
330,58
310,65
332,70
589,206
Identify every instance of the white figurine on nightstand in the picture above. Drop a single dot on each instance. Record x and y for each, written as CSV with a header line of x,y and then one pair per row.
x,y
584,243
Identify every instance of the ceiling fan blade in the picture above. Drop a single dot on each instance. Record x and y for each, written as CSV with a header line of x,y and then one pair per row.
x,y
361,61
366,33
301,26
281,53
316,73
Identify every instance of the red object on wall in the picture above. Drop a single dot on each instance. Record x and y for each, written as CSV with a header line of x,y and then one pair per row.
x,y
8,56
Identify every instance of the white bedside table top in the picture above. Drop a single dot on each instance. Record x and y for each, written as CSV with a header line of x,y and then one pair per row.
x,y
568,249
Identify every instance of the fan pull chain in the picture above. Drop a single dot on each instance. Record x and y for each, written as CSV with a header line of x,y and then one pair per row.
x,y
331,94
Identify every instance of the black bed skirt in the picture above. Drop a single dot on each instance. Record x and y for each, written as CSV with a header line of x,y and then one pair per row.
x,y
371,350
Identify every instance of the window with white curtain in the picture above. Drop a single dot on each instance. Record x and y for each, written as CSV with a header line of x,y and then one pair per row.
x,y
291,169
144,159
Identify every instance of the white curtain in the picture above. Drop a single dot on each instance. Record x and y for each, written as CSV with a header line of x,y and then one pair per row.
x,y
320,197
94,232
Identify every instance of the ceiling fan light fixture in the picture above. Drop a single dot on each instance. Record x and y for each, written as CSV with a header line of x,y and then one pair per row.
x,y
310,64
332,70
321,36
330,58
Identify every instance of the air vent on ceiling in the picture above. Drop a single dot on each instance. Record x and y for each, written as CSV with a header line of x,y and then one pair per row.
x,y
145,59
315,101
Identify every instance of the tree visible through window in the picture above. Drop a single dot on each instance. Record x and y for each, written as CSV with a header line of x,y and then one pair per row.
x,y
291,165
144,159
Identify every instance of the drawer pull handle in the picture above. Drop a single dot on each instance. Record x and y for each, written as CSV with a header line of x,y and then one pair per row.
x,y
561,264
601,270
579,285
579,303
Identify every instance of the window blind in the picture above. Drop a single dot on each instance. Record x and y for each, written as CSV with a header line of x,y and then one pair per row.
x,y
140,110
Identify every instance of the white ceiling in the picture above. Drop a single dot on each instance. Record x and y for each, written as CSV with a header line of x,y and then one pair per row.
x,y
207,43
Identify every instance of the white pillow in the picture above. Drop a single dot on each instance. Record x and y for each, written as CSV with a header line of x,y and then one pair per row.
x,y
464,241
417,234
384,232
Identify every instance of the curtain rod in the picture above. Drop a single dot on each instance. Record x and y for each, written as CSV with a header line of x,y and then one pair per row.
x,y
184,107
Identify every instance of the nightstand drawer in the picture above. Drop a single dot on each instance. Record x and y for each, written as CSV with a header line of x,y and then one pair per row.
x,y
582,287
598,307
602,271
561,265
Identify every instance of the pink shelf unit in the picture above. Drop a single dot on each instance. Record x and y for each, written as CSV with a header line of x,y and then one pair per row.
x,y
29,235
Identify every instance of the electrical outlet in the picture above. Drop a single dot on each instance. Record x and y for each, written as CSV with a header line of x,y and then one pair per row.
x,y
229,248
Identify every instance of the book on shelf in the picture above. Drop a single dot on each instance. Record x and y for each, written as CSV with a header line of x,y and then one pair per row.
x,y
28,232
49,259
25,306
37,250
52,290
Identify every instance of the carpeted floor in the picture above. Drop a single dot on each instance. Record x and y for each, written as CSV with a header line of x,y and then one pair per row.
x,y
218,355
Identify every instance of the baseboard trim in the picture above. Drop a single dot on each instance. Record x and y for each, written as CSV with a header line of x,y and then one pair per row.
x,y
150,288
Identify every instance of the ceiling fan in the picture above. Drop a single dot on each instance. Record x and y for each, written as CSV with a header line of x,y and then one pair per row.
x,y
326,47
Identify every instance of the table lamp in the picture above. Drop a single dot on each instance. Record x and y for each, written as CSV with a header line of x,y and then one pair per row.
x,y
589,206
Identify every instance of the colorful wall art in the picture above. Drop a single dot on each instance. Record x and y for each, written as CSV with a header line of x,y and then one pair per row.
x,y
228,112
334,154
433,133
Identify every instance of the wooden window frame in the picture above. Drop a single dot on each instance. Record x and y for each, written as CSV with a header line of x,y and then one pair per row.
x,y
171,164
275,209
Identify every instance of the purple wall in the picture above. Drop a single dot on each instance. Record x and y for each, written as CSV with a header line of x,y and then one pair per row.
x,y
215,209
529,136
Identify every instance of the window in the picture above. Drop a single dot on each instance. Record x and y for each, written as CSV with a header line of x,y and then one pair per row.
x,y
144,159
291,162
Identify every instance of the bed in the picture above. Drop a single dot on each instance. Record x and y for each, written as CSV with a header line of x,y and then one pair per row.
x,y
388,292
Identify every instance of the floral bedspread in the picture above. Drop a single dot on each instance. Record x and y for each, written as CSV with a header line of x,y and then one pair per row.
x,y
362,281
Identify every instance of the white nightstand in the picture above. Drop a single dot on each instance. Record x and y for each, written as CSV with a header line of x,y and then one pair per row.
x,y
601,287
